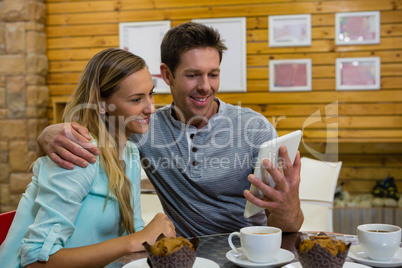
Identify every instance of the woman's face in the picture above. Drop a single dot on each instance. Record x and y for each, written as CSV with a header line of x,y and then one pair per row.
x,y
131,106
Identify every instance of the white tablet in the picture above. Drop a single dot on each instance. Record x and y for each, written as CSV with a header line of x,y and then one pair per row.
x,y
269,150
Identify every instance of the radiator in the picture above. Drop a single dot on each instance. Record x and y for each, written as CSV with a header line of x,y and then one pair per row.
x,y
346,219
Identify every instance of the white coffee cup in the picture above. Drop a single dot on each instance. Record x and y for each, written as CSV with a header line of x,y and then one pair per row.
x,y
259,243
380,242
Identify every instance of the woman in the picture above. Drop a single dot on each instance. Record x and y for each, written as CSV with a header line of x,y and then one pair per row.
x,y
91,221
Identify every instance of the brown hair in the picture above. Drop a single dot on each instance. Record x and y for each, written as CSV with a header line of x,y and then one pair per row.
x,y
185,37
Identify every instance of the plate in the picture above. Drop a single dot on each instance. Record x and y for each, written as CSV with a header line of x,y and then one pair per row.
x,y
284,256
345,265
199,263
357,254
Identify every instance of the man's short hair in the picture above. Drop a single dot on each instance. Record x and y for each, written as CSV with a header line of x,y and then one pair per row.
x,y
185,37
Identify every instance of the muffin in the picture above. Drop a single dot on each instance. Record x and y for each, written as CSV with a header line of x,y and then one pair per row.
x,y
171,252
322,251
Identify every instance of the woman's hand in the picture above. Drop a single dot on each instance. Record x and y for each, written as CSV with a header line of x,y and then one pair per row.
x,y
160,224
100,254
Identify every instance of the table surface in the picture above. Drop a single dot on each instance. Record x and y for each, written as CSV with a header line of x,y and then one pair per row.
x,y
215,247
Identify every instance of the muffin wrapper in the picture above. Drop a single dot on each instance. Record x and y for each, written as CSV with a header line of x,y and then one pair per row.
x,y
318,257
184,257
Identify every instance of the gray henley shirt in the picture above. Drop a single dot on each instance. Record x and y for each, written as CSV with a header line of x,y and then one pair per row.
x,y
200,175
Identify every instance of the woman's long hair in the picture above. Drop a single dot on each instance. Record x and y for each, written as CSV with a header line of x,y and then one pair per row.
x,y
99,80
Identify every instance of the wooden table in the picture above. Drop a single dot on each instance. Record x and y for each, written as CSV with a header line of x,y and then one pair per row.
x,y
215,247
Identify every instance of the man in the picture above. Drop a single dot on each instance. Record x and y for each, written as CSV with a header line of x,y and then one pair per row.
x,y
200,151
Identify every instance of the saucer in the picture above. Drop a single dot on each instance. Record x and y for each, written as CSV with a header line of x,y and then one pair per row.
x,y
199,263
284,256
357,254
345,265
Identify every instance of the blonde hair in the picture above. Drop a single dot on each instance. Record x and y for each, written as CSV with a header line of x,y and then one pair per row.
x,y
99,80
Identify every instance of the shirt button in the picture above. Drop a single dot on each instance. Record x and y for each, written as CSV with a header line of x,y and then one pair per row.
x,y
56,229
195,163
191,136
194,149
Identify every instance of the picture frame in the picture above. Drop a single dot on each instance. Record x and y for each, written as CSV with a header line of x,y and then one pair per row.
x,y
144,39
290,75
233,68
352,28
289,30
358,73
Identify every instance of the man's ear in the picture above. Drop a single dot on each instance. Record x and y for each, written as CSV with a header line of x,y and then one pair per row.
x,y
166,74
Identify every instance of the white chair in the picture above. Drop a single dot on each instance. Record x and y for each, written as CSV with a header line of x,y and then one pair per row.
x,y
316,192
150,203
150,206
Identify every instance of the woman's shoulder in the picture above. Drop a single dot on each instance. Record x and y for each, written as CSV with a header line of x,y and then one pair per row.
x,y
46,164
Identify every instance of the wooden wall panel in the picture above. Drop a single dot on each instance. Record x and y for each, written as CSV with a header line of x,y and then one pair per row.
x,y
368,133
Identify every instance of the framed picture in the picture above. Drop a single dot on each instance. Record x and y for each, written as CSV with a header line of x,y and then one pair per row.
x,y
233,75
357,28
358,73
289,31
290,75
144,39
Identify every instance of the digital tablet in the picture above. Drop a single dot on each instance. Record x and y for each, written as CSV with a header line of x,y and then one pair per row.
x,y
269,150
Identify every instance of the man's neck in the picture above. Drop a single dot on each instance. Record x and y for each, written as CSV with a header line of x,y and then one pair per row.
x,y
201,122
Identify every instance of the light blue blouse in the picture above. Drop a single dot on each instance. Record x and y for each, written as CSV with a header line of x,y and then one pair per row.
x,y
65,209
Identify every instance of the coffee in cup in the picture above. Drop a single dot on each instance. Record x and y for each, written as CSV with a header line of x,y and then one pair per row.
x,y
380,242
259,243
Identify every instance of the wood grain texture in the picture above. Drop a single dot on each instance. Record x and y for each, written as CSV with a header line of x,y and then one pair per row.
x,y
362,128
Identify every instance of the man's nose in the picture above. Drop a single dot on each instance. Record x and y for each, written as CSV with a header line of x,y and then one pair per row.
x,y
203,82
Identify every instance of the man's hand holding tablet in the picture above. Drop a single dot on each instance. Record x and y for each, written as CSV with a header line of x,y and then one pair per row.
x,y
275,188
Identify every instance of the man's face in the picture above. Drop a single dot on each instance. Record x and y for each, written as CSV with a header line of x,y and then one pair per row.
x,y
195,84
